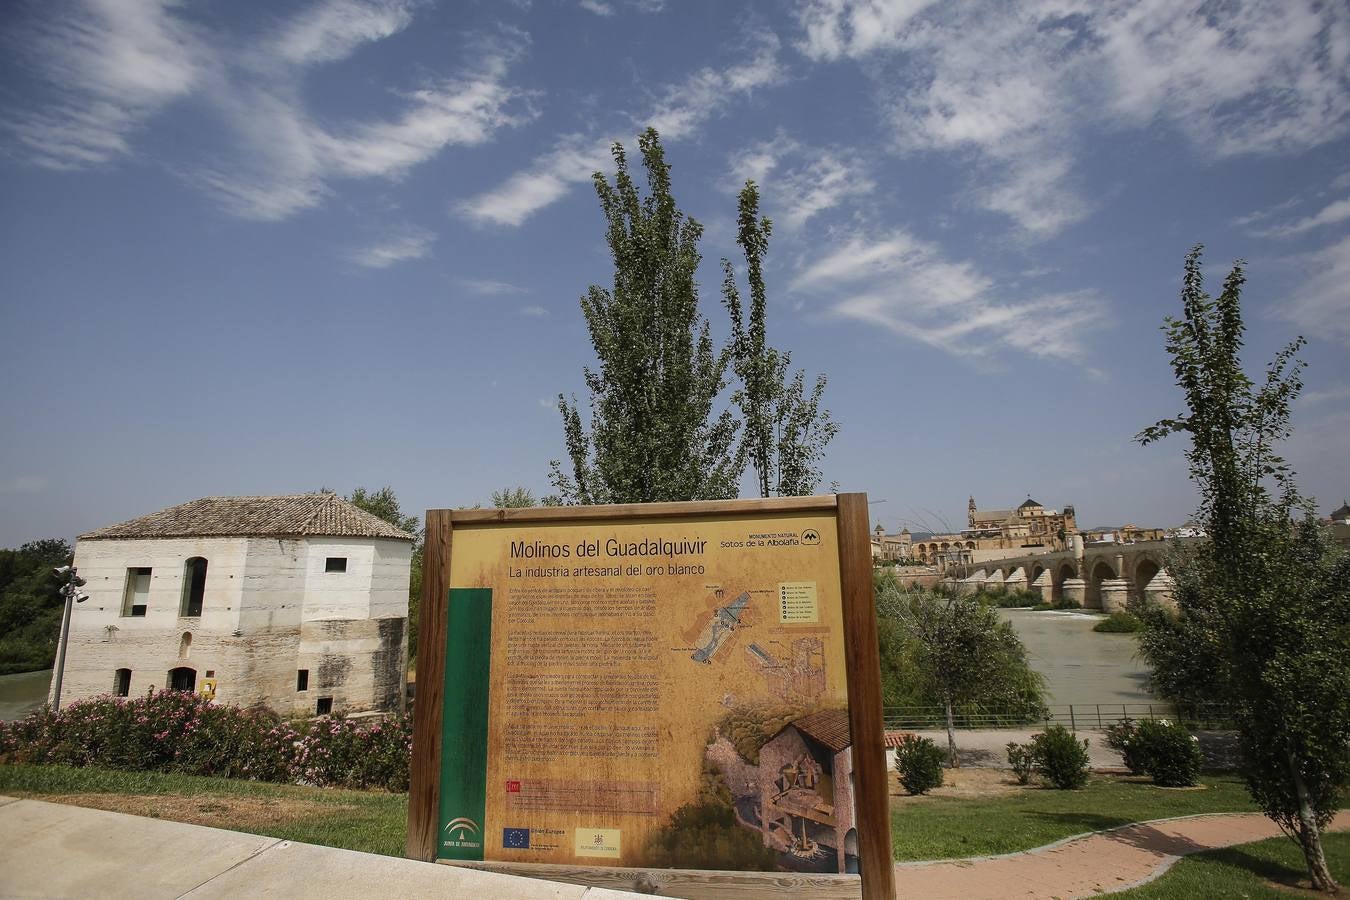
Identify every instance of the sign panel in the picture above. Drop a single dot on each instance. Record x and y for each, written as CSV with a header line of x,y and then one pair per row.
x,y
624,687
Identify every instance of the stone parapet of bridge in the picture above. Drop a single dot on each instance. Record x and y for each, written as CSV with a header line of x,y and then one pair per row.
x,y
1097,576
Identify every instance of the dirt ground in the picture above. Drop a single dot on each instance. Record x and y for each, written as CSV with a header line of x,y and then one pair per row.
x,y
962,784
220,812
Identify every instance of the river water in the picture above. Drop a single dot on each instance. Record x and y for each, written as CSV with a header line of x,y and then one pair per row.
x,y
22,693
1081,666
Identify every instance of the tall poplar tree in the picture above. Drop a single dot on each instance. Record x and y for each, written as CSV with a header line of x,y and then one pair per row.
x,y
654,434
786,429
1264,603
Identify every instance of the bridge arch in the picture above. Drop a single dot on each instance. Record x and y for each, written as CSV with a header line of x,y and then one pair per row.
x,y
1100,571
1145,570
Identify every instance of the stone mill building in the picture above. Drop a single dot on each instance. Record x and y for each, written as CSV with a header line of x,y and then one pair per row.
x,y
298,603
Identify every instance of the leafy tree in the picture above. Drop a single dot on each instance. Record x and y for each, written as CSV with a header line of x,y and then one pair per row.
x,y
31,604
1265,599
653,432
957,651
513,498
786,429
384,504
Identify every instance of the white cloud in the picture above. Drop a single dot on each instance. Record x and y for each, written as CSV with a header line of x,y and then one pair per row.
x,y
1321,304
1332,214
24,484
907,286
1018,84
410,243
807,180
489,288
597,7
1335,394
115,64
332,29
111,66
678,113
533,311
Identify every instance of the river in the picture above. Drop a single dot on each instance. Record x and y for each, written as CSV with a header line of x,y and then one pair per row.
x,y
22,693
1081,666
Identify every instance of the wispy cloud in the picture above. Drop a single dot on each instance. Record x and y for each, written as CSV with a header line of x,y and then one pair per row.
x,y
1331,214
1018,84
489,288
113,65
24,484
1336,394
908,286
677,112
1321,304
404,245
798,182
533,311
596,6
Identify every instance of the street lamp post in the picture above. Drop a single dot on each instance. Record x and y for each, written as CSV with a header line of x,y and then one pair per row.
x,y
71,591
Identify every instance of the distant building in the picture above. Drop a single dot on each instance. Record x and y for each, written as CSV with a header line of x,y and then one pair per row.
x,y
1126,534
991,533
297,603
891,547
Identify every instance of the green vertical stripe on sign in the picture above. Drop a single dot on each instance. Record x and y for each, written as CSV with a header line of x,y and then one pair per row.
x,y
464,735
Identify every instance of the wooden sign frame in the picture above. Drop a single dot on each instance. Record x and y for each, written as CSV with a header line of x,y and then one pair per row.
x,y
863,680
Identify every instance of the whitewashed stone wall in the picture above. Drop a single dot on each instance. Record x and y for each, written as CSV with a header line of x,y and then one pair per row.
x,y
269,609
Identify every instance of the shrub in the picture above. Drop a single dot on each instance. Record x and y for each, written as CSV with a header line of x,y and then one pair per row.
x,y
177,731
1022,758
1120,737
1119,622
1167,752
1060,758
918,762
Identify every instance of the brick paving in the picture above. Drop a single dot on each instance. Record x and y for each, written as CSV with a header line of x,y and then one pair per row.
x,y
1086,866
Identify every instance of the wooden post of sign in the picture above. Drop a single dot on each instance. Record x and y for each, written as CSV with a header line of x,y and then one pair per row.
x,y
872,799
424,792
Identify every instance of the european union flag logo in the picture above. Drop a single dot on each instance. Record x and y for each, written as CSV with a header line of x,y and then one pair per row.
x,y
516,838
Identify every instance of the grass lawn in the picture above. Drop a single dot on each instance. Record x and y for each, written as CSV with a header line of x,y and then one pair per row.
x,y
1010,818
374,822
1020,818
1246,871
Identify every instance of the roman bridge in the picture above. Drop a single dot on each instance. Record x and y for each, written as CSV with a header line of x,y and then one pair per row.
x,y
1095,576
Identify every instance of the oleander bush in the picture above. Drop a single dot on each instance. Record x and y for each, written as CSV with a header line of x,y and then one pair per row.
x,y
918,762
1167,752
1120,737
1060,758
177,731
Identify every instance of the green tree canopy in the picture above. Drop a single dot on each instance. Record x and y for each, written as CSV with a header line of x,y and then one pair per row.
x,y
654,434
786,429
1264,602
31,604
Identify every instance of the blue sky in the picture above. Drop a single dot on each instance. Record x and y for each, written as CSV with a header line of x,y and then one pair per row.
x,y
264,248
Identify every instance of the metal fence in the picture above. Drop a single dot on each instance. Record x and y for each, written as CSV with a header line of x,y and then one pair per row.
x,y
1074,716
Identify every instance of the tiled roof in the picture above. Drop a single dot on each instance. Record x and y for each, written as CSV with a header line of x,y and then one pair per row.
x,y
993,515
829,727
298,515
1028,503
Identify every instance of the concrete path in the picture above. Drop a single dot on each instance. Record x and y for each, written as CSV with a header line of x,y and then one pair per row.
x,y
1086,866
59,851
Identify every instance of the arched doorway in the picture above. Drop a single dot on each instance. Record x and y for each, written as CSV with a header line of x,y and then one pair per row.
x,y
182,678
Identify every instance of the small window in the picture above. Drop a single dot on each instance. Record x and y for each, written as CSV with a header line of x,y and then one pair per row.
x,y
194,587
122,683
182,679
302,680
137,595
324,706
335,564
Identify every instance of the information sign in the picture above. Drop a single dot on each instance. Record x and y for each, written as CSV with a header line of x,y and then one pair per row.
x,y
657,686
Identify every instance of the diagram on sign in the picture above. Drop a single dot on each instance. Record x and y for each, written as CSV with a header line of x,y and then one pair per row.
x,y
720,624
797,676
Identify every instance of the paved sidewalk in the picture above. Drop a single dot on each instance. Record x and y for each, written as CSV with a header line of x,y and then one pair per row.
x,y
1086,866
59,851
